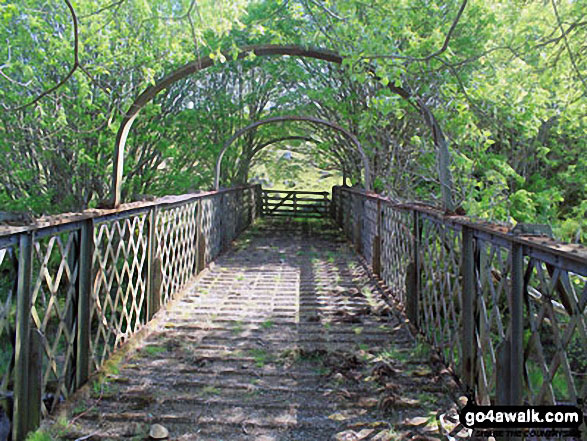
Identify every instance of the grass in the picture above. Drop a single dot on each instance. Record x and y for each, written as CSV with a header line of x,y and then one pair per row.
x,y
39,435
261,357
267,324
394,354
210,390
237,327
100,387
427,398
154,350
363,347
322,370
79,408
422,349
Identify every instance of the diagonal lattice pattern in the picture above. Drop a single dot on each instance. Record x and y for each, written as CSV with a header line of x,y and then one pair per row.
x,y
8,269
440,295
493,279
396,249
554,294
555,334
53,312
176,247
119,284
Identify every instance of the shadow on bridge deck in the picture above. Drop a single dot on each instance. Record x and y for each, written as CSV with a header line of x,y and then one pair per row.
x,y
285,337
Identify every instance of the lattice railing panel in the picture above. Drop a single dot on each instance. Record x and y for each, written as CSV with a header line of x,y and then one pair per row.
x,y
453,253
54,312
440,296
356,218
8,277
347,214
209,230
396,248
370,214
176,251
118,306
493,280
555,336
229,217
83,280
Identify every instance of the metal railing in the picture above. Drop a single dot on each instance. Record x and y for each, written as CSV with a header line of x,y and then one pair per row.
x,y
293,203
74,288
507,312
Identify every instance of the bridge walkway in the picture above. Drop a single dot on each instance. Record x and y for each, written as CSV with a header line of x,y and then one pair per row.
x,y
285,337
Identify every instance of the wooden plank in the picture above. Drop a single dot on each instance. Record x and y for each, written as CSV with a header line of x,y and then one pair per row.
x,y
276,206
299,199
296,192
309,215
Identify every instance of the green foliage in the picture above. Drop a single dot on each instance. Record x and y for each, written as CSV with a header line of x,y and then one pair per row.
x,y
507,85
39,435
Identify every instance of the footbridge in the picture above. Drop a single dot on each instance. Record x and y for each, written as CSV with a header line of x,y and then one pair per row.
x,y
247,314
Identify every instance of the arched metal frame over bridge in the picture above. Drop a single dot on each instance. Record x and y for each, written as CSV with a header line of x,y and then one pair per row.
x,y
311,119
443,155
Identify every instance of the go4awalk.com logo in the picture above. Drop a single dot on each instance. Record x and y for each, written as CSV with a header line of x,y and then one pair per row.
x,y
551,421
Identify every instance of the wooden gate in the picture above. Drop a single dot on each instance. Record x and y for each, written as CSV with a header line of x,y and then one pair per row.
x,y
292,203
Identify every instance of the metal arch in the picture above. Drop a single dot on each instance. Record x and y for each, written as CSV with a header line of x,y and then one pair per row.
x,y
267,50
311,119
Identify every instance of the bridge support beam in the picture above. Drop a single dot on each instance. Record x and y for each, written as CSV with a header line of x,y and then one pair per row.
x,y
413,274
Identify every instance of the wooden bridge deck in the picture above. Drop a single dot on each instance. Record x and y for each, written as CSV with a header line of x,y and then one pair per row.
x,y
285,337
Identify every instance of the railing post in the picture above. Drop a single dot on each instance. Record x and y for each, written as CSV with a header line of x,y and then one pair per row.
x,y
376,263
333,204
413,274
259,200
86,254
253,206
517,324
201,239
35,379
151,251
468,303
23,407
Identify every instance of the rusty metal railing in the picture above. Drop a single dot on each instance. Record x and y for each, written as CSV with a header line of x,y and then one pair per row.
x,y
73,288
507,312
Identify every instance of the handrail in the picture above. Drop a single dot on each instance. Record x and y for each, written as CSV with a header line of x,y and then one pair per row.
x,y
101,214
575,253
506,312
81,284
